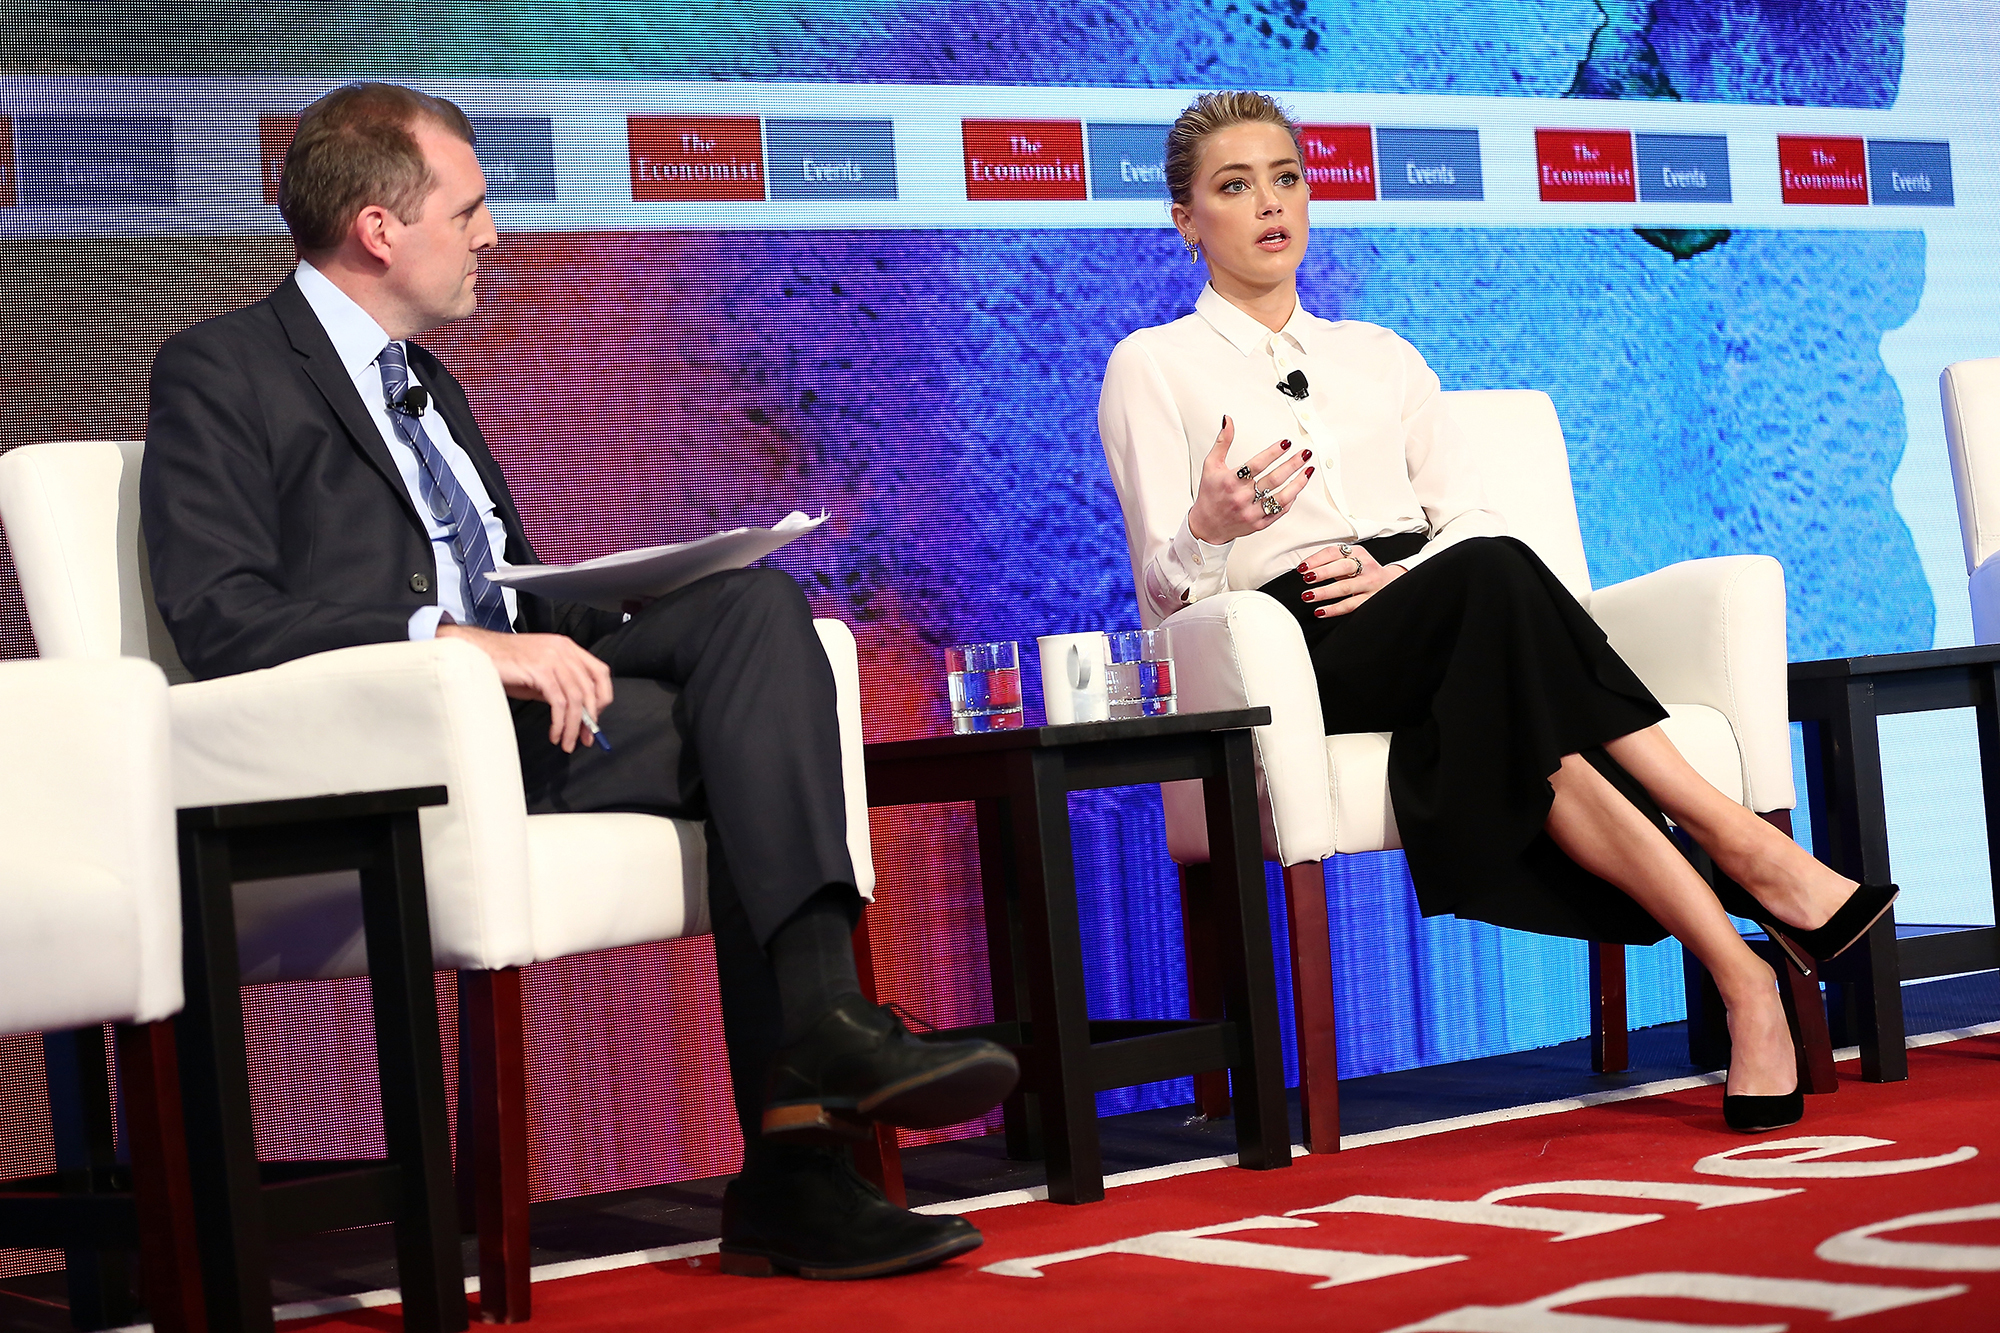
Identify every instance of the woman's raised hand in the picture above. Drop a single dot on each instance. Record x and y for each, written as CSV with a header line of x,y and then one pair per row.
x,y
1340,578
1231,500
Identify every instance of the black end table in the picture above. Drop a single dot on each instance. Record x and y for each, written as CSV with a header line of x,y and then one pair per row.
x,y
1020,782
1840,700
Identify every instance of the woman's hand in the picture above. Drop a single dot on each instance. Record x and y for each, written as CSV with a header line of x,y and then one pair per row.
x,y
1340,578
1227,504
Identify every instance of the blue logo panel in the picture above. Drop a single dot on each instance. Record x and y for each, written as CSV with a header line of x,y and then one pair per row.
x,y
1683,168
1902,171
830,159
518,156
1429,164
95,161
1127,161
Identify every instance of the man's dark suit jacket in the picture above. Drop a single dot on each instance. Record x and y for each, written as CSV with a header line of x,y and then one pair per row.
x,y
276,522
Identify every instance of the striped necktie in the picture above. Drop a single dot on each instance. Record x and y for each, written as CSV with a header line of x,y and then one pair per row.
x,y
447,499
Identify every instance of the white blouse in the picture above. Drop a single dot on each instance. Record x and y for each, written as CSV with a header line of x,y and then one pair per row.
x,y
1389,457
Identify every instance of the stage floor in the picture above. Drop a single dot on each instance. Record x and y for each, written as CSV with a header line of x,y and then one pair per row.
x,y
313,1274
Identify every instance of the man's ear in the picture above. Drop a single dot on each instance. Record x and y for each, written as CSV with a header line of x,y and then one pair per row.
x,y
372,230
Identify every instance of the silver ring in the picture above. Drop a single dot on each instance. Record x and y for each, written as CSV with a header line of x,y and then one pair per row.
x,y
1271,505
1357,566
1243,473
1346,550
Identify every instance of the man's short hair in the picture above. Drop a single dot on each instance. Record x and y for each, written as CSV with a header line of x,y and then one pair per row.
x,y
355,147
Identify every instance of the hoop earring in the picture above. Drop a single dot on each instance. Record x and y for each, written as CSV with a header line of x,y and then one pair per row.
x,y
1193,249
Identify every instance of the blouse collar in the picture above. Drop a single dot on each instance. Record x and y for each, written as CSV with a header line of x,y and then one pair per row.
x,y
1244,332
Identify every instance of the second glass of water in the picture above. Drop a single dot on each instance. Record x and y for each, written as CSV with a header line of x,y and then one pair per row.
x,y
1141,674
985,684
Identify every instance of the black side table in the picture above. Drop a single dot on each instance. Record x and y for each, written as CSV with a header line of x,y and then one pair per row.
x,y
1839,700
238,1201
1020,782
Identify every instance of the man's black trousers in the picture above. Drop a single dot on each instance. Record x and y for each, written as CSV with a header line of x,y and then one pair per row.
x,y
723,711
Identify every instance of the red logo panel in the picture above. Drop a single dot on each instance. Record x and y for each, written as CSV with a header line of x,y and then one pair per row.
x,y
1822,171
1340,161
1023,159
274,140
1585,166
695,157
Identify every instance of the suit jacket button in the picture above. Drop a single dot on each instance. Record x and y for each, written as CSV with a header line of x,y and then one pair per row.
x,y
420,583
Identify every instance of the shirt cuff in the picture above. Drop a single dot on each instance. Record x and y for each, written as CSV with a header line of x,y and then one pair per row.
x,y
424,622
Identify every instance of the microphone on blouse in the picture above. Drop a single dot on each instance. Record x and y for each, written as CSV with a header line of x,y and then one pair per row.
x,y
413,402
1293,385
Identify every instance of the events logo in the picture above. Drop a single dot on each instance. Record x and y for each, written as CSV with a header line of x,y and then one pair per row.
x,y
95,161
682,158
1023,159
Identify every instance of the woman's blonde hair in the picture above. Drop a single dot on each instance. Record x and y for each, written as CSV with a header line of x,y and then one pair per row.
x,y
1218,111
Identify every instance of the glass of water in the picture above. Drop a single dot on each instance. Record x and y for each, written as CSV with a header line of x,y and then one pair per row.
x,y
985,681
1141,674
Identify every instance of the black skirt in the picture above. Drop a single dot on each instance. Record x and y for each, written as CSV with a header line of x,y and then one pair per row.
x,y
1486,672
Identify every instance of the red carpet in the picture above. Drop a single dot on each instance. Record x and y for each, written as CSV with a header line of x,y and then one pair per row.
x,y
1546,1214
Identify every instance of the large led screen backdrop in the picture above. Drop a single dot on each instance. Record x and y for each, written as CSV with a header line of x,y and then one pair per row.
x,y
872,258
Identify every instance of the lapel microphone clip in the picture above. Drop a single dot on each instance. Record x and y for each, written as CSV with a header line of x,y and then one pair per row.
x,y
1293,385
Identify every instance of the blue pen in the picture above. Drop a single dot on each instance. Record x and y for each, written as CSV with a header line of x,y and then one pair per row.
x,y
596,735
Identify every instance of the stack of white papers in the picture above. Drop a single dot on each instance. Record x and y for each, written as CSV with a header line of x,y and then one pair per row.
x,y
611,581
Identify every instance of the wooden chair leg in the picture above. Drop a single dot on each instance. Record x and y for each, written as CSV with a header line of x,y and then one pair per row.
x,y
169,1262
1198,936
1805,1007
490,1025
98,1277
1312,1005
1610,1051
880,1159
1805,1012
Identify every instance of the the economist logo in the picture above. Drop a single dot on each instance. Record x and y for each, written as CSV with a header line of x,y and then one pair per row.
x,y
9,191
274,140
1340,161
1585,166
1023,159
696,158
1814,170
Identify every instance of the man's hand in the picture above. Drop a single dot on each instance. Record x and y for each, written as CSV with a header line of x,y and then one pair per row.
x,y
548,667
1340,578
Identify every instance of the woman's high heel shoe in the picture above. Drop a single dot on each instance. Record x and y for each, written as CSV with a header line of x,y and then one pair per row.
x,y
1757,1115
1863,908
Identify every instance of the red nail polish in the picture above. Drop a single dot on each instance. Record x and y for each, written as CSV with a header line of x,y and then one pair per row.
x,y
1302,568
1311,577
1306,455
1306,596
1284,444
1311,470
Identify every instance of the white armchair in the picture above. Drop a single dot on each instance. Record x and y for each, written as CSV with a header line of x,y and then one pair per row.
x,y
90,933
1971,393
505,888
1706,636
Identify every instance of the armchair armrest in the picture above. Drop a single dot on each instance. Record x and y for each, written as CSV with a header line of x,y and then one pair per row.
x,y
1241,650
841,655
1984,591
374,717
1712,632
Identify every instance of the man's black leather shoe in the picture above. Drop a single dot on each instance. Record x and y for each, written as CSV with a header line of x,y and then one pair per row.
x,y
860,1064
815,1216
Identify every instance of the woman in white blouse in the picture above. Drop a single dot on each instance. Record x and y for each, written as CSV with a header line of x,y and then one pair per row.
x,y
1256,446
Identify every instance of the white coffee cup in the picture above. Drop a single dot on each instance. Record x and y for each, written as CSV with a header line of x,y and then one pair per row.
x,y
1073,686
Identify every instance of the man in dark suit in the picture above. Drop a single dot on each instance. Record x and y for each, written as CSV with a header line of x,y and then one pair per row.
x,y
314,481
